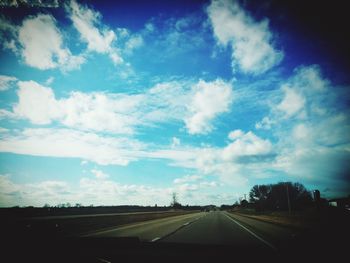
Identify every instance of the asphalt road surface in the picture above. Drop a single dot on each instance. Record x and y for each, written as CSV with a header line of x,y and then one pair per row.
x,y
216,228
152,230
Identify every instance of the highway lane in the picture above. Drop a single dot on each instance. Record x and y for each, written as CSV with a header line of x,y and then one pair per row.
x,y
219,228
276,234
151,230
213,228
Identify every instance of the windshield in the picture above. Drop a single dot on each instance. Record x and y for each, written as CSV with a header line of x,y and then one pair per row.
x,y
190,122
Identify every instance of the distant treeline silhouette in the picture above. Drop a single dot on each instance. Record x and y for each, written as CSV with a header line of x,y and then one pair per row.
x,y
275,196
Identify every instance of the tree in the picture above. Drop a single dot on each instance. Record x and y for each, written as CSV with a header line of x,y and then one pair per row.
x,y
275,196
259,195
175,204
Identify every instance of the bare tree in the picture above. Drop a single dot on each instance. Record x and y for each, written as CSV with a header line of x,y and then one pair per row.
x,y
175,203
174,198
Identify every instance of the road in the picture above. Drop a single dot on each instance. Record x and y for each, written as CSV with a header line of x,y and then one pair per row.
x,y
150,230
217,228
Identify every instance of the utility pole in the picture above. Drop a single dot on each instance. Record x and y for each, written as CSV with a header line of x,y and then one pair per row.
x,y
289,208
245,196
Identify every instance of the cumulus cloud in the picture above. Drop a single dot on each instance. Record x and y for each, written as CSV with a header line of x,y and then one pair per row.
x,y
236,134
87,22
36,103
305,95
115,113
42,45
209,100
6,82
292,102
311,130
195,104
93,111
245,144
247,155
251,41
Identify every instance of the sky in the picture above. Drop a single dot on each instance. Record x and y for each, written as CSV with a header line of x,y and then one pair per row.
x,y
126,103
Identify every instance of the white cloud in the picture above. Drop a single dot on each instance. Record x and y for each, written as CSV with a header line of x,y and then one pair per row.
x,y
149,27
175,142
93,111
210,99
187,179
8,34
50,80
208,184
301,132
245,144
42,45
247,156
195,104
6,81
36,103
87,21
99,174
4,130
115,113
133,43
233,135
251,41
95,191
168,101
292,102
224,163
266,123
314,145
102,150
5,114
37,194
303,96
175,36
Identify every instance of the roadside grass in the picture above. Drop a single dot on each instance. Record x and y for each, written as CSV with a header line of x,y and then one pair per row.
x,y
306,219
295,221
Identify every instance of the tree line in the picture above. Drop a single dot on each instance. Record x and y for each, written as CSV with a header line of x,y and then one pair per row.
x,y
280,196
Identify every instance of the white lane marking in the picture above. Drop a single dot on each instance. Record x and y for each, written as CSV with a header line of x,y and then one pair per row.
x,y
252,233
155,239
180,227
103,260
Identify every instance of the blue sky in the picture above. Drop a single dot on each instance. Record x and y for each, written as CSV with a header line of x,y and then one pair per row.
x,y
127,103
